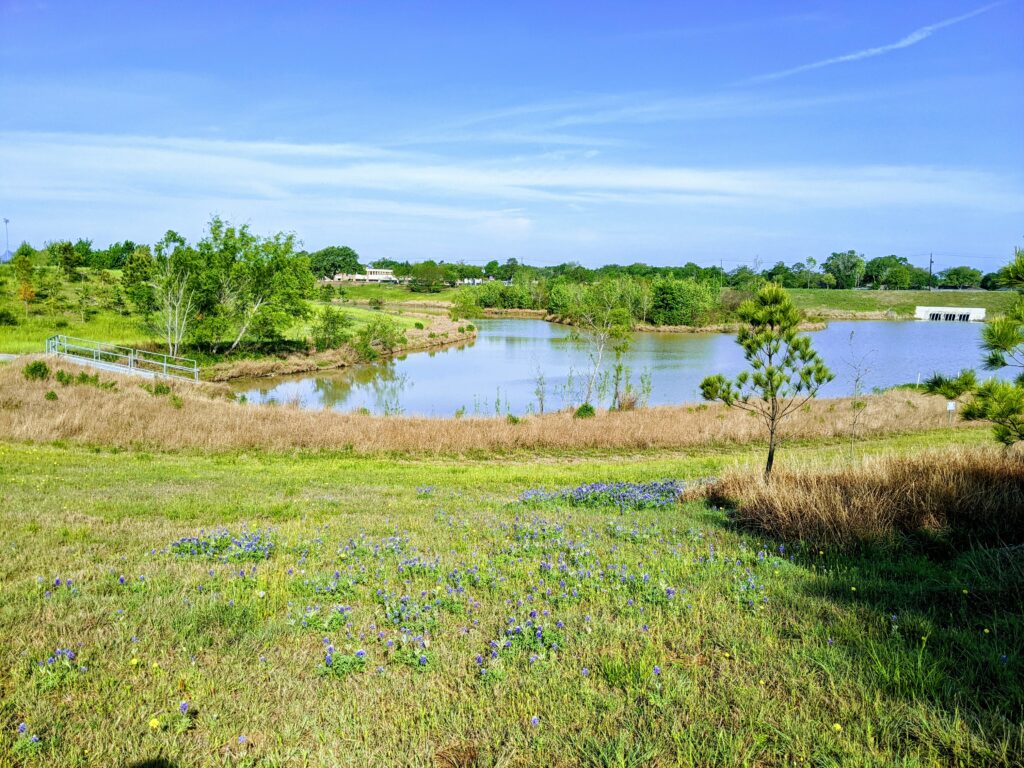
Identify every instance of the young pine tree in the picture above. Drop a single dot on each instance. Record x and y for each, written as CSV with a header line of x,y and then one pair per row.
x,y
785,372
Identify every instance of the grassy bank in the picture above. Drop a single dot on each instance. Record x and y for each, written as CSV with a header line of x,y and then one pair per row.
x,y
820,301
129,415
609,635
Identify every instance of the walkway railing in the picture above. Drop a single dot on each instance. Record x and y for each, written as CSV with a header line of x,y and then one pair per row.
x,y
111,357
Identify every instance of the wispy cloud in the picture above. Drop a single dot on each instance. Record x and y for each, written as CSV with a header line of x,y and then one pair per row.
x,y
913,38
55,167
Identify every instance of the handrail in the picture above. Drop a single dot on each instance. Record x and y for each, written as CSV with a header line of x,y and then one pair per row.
x,y
130,360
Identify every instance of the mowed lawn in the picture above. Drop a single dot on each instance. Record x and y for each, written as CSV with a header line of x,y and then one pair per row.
x,y
465,627
902,303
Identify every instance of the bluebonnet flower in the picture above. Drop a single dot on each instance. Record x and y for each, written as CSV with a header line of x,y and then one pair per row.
x,y
657,670
423,661
22,727
586,672
535,721
183,707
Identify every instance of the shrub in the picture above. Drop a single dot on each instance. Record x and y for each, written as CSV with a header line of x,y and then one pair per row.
x,y
470,327
64,378
418,325
585,411
7,317
512,419
61,324
960,497
51,395
37,370
380,333
331,328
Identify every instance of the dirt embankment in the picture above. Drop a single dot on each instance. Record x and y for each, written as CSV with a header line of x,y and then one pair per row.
x,y
437,332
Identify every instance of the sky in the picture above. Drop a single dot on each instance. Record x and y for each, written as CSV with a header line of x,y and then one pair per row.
x,y
664,132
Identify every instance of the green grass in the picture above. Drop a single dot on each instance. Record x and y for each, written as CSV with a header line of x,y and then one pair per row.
x,y
900,302
395,294
743,680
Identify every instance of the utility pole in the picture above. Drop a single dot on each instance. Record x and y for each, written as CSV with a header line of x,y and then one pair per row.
x,y
7,241
930,261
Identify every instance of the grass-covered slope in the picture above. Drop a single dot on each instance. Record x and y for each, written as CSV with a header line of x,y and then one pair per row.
x,y
465,627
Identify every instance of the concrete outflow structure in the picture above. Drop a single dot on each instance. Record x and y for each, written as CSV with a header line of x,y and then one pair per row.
x,y
951,314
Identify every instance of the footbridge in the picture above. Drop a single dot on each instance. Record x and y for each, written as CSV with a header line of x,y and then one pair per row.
x,y
110,357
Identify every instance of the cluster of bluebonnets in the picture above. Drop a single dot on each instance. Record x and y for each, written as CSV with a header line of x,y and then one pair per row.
x,y
659,493
227,547
539,577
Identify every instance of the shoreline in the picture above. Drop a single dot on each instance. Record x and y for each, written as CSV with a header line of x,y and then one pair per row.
x,y
439,333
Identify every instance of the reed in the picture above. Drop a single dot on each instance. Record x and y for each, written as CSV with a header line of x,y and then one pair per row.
x,y
961,497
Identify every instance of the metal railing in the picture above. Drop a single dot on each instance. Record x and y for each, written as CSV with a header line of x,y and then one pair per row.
x,y
122,359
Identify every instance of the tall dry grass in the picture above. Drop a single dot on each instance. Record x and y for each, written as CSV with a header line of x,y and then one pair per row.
x,y
201,417
961,496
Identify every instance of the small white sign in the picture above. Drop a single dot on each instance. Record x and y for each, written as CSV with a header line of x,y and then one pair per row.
x,y
951,405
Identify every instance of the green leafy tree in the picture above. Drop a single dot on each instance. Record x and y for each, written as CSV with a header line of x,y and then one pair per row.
x,y
428,277
785,372
846,267
334,260
602,321
960,277
249,286
896,278
682,302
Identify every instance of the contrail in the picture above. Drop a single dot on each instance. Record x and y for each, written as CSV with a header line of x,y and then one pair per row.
x,y
913,38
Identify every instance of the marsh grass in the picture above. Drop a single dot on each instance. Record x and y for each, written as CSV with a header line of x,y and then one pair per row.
x,y
770,653
958,497
203,418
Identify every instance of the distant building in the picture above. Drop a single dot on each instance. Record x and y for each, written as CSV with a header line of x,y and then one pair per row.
x,y
371,276
951,314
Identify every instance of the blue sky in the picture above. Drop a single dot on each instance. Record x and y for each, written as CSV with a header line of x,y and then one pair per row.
x,y
594,132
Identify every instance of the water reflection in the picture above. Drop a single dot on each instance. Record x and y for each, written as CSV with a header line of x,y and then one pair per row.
x,y
499,372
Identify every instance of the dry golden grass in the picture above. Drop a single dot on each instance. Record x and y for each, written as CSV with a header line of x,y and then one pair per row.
x,y
975,495
200,417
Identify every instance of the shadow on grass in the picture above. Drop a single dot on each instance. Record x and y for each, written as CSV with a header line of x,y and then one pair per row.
x,y
153,762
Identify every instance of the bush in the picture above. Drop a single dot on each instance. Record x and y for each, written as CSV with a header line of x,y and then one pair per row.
x,y
37,370
51,395
962,498
331,328
380,333
7,317
585,411
512,419
418,325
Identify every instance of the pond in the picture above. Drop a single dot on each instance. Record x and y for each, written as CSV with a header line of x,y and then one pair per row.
x,y
500,372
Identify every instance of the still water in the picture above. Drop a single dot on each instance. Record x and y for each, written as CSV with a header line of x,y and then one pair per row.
x,y
498,373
